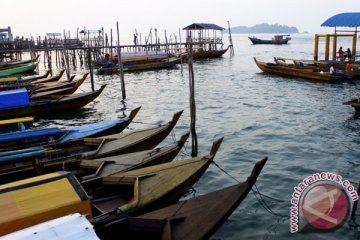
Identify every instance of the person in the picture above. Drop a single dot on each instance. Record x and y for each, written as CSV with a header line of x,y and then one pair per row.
x,y
348,54
332,70
349,66
341,54
135,39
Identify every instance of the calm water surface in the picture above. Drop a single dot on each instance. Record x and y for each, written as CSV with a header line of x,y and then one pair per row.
x,y
302,127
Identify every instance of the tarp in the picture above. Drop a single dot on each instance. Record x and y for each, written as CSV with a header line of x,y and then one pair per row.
x,y
29,134
88,130
14,98
35,200
343,20
70,227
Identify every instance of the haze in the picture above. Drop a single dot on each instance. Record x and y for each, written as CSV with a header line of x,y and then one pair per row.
x,y
38,17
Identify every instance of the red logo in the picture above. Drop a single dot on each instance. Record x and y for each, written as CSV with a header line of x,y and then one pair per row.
x,y
325,206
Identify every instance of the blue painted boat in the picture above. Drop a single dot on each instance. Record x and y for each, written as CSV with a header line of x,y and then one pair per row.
x,y
19,155
36,137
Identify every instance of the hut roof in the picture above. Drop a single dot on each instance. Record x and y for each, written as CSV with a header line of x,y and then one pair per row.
x,y
343,20
201,26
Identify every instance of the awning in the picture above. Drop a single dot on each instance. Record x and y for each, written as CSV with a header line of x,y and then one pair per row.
x,y
343,20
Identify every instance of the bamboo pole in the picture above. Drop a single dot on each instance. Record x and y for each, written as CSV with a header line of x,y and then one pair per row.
x,y
90,64
194,144
120,64
232,53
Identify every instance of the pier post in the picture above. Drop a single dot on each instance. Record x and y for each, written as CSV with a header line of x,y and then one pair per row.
x,y
194,145
232,53
316,47
327,46
120,64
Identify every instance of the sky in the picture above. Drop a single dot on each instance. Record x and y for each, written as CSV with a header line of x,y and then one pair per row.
x,y
38,17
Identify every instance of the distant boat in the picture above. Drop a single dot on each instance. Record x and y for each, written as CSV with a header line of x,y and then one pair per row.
x,y
277,39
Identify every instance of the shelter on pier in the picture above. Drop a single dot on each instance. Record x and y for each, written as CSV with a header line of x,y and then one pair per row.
x,y
339,21
206,35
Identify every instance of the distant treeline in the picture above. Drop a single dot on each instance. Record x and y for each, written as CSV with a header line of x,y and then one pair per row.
x,y
265,28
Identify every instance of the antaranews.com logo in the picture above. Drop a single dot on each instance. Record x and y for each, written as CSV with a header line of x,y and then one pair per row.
x,y
321,201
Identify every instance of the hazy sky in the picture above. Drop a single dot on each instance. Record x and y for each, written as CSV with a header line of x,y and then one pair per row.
x,y
38,17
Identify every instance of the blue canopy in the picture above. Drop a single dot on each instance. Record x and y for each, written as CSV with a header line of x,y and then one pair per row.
x,y
343,20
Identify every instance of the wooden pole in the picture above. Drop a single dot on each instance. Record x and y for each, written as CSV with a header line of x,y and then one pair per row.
x,y
194,149
120,64
181,56
316,47
66,59
327,46
334,47
232,53
111,43
90,64
353,55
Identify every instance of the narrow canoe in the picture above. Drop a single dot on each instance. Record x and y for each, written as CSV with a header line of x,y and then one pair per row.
x,y
29,81
142,190
52,105
102,167
52,157
36,137
195,218
5,65
19,69
131,67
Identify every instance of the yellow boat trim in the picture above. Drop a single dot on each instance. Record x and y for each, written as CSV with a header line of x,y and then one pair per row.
x,y
16,120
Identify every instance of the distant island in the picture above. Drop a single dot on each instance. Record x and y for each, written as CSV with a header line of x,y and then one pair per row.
x,y
265,28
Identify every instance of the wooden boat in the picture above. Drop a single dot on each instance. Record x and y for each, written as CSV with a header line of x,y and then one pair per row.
x,y
134,58
43,136
24,79
15,124
196,218
7,65
39,199
141,190
282,70
277,39
18,69
131,67
51,105
355,103
29,82
209,53
102,167
61,88
18,164
51,79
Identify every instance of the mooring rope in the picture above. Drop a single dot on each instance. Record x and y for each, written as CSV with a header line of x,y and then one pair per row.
x,y
260,200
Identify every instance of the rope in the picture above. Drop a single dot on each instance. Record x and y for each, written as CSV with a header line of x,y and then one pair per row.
x,y
266,206
259,199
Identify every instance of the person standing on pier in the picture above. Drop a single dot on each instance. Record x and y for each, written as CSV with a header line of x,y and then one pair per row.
x,y
341,54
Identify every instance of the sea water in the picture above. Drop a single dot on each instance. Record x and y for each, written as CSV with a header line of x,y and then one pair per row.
x,y
300,125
